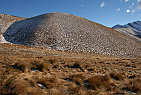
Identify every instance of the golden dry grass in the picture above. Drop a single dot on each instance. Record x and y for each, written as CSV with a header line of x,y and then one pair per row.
x,y
99,82
117,76
134,85
67,73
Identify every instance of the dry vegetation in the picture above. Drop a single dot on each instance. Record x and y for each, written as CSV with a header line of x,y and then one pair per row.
x,y
37,71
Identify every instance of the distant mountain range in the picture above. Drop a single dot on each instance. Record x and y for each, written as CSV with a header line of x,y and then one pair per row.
x,y
63,31
131,29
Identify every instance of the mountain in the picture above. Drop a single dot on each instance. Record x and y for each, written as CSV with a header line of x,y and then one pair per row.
x,y
131,29
5,22
63,31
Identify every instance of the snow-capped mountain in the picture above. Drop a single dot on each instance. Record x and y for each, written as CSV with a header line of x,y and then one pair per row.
x,y
63,31
131,29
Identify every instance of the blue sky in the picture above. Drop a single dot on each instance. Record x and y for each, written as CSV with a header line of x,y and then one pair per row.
x,y
105,12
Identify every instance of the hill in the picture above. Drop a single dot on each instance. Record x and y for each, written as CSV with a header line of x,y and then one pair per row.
x,y
131,29
5,22
63,31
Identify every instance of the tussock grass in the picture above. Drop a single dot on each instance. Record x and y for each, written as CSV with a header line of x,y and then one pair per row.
x,y
9,70
91,82
32,82
134,85
77,65
132,76
41,66
53,80
13,87
99,82
78,78
117,76
52,61
77,90
35,64
2,77
91,69
35,92
102,62
22,66
56,92
45,83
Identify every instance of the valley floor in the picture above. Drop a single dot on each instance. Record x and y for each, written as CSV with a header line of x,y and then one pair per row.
x,y
38,71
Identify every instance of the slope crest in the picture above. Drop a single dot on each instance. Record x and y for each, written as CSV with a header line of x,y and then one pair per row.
x,y
68,32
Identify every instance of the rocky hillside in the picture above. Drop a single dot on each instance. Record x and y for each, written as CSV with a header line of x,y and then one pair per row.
x,y
63,31
131,29
5,22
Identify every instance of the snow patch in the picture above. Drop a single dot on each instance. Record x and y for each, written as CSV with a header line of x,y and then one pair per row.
x,y
2,40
